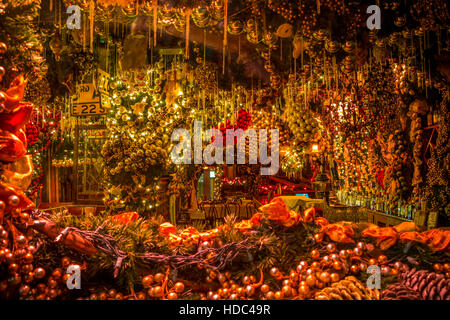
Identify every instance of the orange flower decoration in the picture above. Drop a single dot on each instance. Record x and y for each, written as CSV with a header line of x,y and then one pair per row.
x,y
294,219
167,228
322,222
309,215
189,231
412,236
256,219
386,236
125,218
276,210
243,226
406,227
206,236
437,239
175,240
215,232
339,232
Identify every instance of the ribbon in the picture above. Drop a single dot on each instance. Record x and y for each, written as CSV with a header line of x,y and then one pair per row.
x,y
15,92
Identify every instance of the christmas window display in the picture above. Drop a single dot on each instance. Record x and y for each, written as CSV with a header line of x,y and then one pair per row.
x,y
88,116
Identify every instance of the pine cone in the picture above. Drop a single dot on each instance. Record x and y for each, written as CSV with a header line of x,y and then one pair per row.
x,y
348,289
430,285
399,291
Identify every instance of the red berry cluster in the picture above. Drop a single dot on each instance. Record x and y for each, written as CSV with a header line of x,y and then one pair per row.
x,y
32,133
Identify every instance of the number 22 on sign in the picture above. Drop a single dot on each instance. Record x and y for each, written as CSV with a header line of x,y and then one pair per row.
x,y
87,101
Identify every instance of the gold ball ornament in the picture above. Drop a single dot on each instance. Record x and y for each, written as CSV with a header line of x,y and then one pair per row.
x,y
269,39
382,259
39,273
349,47
3,48
179,287
311,280
334,277
172,296
331,247
274,272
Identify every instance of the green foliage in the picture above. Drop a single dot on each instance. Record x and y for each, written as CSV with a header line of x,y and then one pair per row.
x,y
18,31
138,237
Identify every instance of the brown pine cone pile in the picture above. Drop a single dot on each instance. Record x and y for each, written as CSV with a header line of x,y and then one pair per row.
x,y
398,291
430,285
348,289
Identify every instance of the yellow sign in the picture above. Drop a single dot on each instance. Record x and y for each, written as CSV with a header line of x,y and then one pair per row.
x,y
103,82
90,109
87,101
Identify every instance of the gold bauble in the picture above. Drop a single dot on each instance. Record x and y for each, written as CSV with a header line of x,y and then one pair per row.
x,y
284,31
321,34
332,46
167,16
400,21
270,39
250,25
235,27
253,37
349,46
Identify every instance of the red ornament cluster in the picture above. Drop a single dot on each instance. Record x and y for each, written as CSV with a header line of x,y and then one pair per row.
x,y
243,122
32,133
244,119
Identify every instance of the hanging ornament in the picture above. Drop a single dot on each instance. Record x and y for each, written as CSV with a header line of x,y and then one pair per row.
x,y
167,16
349,47
332,46
381,43
180,23
321,34
348,64
250,25
146,8
394,38
130,10
201,17
300,45
235,27
270,39
155,20
400,21
253,37
275,81
91,25
217,9
373,35
284,31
